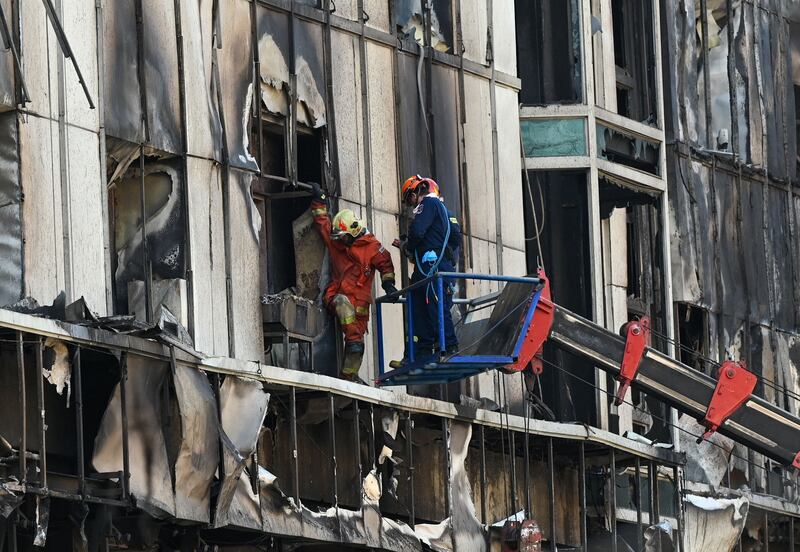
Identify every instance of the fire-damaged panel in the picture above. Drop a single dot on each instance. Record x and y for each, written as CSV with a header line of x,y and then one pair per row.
x,y
165,226
244,405
198,456
150,472
274,56
236,79
161,76
310,75
10,209
122,99
414,130
7,81
444,90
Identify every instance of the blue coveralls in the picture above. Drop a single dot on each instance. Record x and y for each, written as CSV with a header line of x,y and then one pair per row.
x,y
426,237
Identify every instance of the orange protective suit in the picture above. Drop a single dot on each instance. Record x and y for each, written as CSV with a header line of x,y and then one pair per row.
x,y
352,273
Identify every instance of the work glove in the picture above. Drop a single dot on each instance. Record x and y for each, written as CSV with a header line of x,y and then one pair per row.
x,y
318,193
389,288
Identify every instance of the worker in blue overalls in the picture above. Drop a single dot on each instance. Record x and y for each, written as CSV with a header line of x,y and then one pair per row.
x,y
432,244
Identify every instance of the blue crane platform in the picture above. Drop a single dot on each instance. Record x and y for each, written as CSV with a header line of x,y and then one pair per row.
x,y
501,340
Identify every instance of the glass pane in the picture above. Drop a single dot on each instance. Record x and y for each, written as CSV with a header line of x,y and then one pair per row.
x,y
554,137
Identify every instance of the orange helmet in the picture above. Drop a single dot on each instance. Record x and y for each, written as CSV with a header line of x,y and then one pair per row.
x,y
413,183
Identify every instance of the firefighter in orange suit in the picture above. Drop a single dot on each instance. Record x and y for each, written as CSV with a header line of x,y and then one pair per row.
x,y
355,257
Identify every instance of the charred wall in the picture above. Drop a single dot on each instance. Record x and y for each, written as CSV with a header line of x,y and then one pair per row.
x,y
732,175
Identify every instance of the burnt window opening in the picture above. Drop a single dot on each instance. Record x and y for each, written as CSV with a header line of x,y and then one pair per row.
x,y
692,332
148,260
411,18
634,59
278,203
548,51
560,202
619,146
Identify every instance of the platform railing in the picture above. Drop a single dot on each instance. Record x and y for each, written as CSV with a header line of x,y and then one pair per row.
x,y
438,280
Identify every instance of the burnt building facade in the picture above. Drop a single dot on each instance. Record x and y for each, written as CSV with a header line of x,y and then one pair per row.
x,y
169,375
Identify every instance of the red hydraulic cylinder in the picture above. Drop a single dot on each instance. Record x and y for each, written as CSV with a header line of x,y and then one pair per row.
x,y
538,332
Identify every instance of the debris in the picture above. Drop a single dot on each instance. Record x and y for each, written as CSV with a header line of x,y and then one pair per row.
x,y
60,371
42,521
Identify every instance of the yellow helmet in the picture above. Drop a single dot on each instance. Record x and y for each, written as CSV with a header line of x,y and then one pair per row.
x,y
345,222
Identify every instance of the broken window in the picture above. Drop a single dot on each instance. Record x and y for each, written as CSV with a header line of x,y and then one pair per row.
x,y
627,149
692,329
554,137
411,17
149,263
549,51
634,58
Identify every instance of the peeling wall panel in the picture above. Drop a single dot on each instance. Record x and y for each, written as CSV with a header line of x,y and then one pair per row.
x,y
150,480
43,248
243,404
756,270
11,270
310,75
207,243
732,294
161,75
783,272
204,132
236,79
123,108
245,286
198,456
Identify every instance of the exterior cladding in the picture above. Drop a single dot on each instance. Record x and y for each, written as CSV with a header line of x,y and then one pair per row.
x,y
734,219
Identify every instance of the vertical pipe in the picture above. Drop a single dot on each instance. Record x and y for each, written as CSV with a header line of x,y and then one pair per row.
x,y
448,502
410,457
76,371
123,394
656,512
484,512
526,458
650,484
638,489
372,435
357,440
145,254
766,531
410,319
512,449
551,487
332,427
612,508
379,331
42,420
23,415
582,495
295,467
440,313
678,506
791,534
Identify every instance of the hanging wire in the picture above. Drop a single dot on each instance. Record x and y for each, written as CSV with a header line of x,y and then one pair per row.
x,y
716,364
665,421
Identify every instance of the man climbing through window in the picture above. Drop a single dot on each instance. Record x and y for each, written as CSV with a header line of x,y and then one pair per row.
x,y
355,256
432,244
